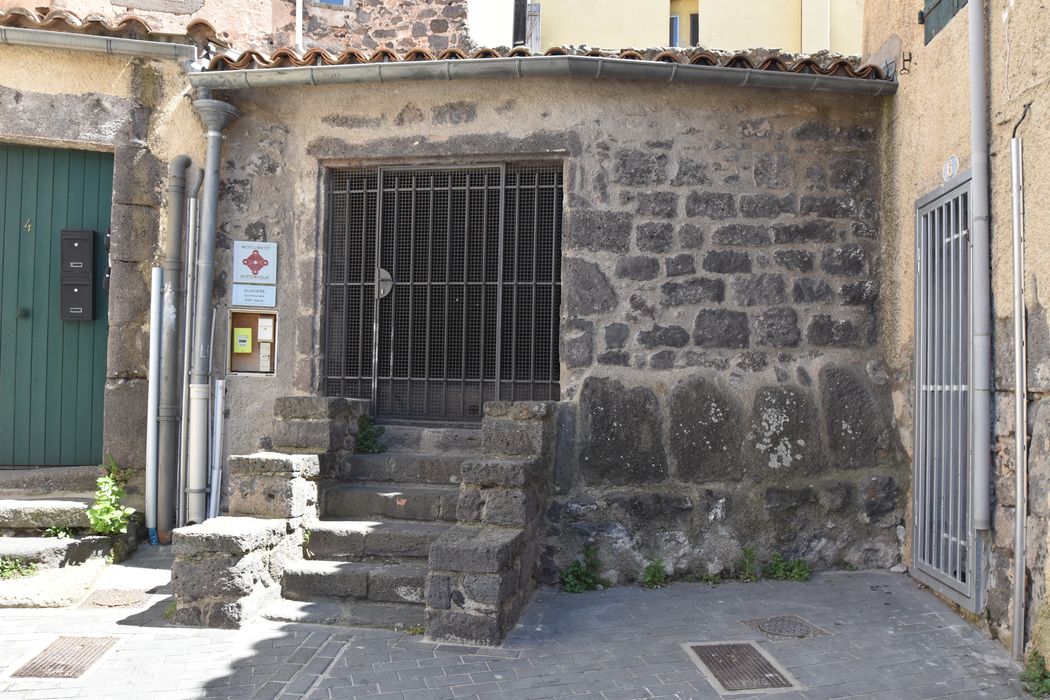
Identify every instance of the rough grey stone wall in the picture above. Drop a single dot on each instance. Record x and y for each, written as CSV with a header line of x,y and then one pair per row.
x,y
720,352
720,271
999,566
369,24
120,125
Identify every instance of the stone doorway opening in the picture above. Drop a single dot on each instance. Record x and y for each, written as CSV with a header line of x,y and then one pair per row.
x,y
443,288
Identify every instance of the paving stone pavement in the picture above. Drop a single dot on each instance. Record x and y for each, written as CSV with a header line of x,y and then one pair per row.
x,y
887,638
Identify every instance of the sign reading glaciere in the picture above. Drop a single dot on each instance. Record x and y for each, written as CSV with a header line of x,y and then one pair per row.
x,y
254,273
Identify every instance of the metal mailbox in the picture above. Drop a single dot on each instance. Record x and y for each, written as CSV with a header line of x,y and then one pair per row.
x,y
78,252
76,278
78,301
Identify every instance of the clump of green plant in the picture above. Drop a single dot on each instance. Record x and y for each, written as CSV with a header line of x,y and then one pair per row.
x,y
113,470
583,575
368,434
780,569
747,567
709,579
1035,677
169,612
107,515
63,533
654,575
415,630
11,567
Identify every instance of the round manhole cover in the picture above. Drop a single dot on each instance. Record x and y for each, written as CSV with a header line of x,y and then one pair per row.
x,y
113,598
787,627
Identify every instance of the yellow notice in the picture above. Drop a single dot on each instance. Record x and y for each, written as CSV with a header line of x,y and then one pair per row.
x,y
242,340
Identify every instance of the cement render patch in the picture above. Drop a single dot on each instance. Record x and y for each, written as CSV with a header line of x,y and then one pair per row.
x,y
888,638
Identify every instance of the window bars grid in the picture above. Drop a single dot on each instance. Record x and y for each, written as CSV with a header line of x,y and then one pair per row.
x,y
942,536
475,260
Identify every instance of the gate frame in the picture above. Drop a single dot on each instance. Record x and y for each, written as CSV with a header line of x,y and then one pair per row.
x,y
562,161
968,595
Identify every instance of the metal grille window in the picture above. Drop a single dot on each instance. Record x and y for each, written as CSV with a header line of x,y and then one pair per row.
x,y
444,288
942,534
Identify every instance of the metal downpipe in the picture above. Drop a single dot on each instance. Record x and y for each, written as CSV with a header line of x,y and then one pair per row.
x,y
216,115
152,399
1020,397
981,415
192,229
167,409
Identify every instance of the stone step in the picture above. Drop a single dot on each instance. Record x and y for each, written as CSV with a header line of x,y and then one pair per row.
x,y
341,540
406,466
73,483
430,439
378,500
380,583
51,552
347,614
37,514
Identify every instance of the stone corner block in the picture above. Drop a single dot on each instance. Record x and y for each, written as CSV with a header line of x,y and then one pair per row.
x,y
502,472
225,535
462,626
271,496
299,435
519,410
486,550
307,466
315,408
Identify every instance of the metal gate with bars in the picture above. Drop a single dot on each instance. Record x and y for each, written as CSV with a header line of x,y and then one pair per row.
x,y
943,541
444,288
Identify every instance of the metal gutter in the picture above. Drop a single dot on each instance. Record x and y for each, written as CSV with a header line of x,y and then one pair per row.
x,y
17,36
534,67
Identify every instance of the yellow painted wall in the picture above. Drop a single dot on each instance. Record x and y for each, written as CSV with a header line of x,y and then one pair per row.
x,y
609,24
791,25
734,25
682,9
847,26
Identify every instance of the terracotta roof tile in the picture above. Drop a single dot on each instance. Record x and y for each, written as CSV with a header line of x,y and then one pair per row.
x,y
764,60
199,31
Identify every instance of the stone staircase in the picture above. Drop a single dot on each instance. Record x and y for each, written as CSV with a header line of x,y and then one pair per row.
x,y
442,532
365,560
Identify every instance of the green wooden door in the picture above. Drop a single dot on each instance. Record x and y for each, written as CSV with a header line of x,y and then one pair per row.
x,y
52,372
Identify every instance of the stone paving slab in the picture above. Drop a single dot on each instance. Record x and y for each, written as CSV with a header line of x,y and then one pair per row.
x,y
888,638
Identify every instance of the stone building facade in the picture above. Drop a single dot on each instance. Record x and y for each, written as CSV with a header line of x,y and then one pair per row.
x,y
721,386
721,379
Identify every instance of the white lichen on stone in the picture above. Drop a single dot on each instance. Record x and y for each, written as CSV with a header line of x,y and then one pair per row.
x,y
718,512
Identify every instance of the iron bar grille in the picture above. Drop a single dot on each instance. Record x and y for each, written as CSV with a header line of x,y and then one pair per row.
x,y
474,258
943,532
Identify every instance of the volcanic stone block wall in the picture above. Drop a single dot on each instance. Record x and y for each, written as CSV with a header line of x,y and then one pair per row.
x,y
719,346
368,24
721,382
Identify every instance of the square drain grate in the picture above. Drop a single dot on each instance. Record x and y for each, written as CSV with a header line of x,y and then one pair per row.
x,y
741,667
784,627
66,657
